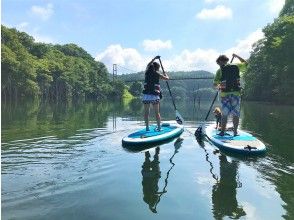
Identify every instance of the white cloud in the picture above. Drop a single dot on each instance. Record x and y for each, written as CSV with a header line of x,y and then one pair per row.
x,y
275,6
42,38
156,45
199,59
218,13
43,12
128,57
244,46
34,32
211,1
22,26
187,60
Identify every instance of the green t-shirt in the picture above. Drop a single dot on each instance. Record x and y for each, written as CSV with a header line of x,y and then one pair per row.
x,y
217,79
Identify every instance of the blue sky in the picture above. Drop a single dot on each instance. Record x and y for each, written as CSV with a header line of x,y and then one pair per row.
x,y
188,34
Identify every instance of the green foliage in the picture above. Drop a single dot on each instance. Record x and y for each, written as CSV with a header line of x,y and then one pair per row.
x,y
127,94
119,88
136,88
181,89
270,72
57,72
288,8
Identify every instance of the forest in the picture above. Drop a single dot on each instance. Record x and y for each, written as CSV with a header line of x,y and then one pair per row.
x,y
270,74
53,72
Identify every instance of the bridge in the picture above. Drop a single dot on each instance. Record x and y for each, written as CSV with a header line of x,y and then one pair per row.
x,y
129,71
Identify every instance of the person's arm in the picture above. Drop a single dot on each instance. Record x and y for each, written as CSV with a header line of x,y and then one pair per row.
x,y
242,66
163,75
157,57
217,78
240,58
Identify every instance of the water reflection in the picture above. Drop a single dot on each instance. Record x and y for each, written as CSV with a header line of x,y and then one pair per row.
x,y
35,119
151,175
224,191
202,145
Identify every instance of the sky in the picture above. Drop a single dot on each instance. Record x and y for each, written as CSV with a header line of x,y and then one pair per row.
x,y
187,34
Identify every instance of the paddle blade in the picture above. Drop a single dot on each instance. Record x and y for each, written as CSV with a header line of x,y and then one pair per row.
x,y
200,132
179,118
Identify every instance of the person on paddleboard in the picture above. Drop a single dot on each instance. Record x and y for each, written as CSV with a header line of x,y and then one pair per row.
x,y
227,80
152,91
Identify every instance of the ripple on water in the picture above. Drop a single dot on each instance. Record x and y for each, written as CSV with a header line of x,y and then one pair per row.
x,y
46,166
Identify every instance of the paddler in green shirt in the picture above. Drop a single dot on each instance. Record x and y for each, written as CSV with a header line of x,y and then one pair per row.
x,y
227,80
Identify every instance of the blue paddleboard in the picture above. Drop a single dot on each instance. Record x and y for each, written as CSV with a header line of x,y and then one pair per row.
x,y
244,143
152,137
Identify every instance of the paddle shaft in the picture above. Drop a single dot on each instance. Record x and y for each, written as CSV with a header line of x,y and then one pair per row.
x,y
211,106
168,86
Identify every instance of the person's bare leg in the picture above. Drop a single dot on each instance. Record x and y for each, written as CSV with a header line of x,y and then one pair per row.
x,y
235,123
157,115
146,115
224,124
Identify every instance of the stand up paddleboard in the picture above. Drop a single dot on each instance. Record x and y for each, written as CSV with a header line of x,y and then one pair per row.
x,y
244,143
144,138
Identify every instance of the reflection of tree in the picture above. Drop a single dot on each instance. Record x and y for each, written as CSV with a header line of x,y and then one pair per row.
x,y
136,106
275,125
224,191
46,118
151,175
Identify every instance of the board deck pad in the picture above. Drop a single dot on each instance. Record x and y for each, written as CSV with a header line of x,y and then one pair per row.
x,y
167,132
243,142
152,131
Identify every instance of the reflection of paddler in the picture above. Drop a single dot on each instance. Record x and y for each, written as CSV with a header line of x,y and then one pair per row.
x,y
151,175
224,192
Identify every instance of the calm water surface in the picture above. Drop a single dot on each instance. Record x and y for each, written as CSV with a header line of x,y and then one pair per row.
x,y
66,162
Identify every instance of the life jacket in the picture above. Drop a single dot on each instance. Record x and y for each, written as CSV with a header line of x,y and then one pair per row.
x,y
151,84
230,79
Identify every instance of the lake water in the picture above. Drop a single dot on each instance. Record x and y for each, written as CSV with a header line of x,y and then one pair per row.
x,y
66,162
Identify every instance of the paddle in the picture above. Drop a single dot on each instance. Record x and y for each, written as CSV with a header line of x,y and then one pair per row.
x,y
200,131
177,144
179,118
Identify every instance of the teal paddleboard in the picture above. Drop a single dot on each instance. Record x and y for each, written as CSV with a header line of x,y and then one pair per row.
x,y
152,137
244,143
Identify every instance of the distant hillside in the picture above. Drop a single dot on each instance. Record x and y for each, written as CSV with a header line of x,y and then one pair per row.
x,y
182,84
57,72
173,75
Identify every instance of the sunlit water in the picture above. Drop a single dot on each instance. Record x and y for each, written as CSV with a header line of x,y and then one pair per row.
x,y
65,162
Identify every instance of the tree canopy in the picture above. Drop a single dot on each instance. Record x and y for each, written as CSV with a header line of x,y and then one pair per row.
x,y
31,69
270,72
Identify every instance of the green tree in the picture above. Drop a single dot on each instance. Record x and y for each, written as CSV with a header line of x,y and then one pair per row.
x,y
56,72
270,72
136,88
